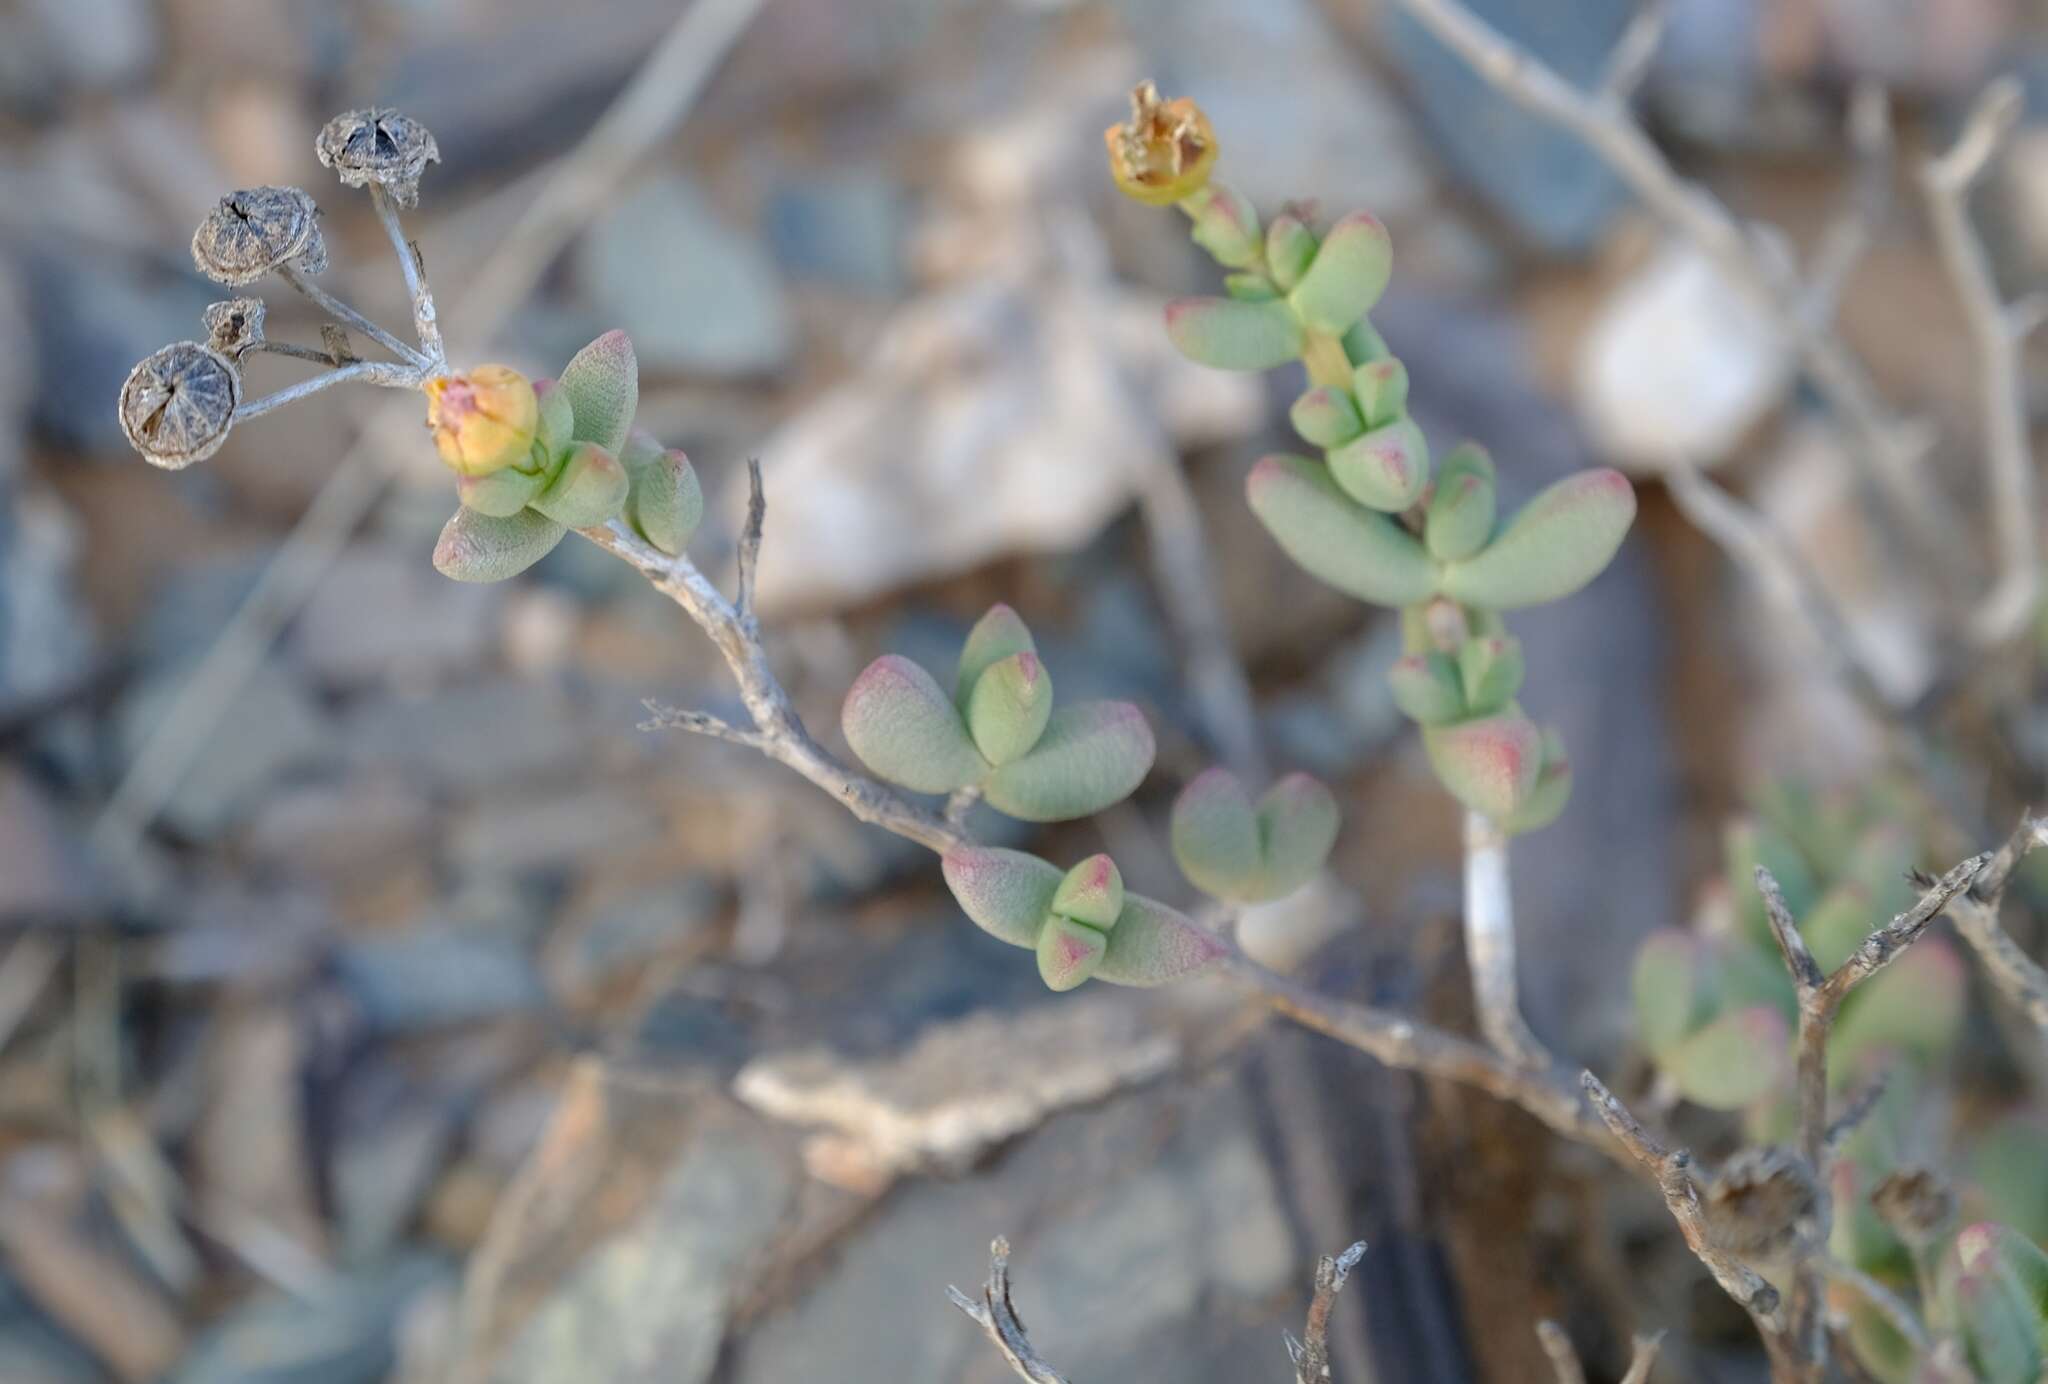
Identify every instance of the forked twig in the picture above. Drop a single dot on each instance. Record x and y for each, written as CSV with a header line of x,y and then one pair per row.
x,y
998,1318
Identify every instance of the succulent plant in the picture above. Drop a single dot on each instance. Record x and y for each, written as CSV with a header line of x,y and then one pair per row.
x,y
1252,852
1081,922
999,733
1367,516
536,459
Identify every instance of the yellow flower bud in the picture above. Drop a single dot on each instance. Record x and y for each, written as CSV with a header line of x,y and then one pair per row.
x,y
485,420
1164,152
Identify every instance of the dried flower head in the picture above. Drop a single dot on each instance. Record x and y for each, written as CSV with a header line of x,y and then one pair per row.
x,y
378,146
1763,1203
1164,152
483,420
257,229
234,326
1916,1204
177,406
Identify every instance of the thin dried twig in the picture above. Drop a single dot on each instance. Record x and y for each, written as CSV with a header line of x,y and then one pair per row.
x,y
1635,50
426,323
781,732
1996,334
1490,945
749,559
1643,1358
1768,281
1564,1360
342,312
1311,1354
664,717
996,1316
2018,976
1820,996
1672,1168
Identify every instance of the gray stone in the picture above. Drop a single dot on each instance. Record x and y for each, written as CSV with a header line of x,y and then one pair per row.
x,y
1544,179
520,834
475,738
845,229
94,318
342,1334
273,728
649,1306
383,615
46,636
427,979
695,294
628,931
1150,1243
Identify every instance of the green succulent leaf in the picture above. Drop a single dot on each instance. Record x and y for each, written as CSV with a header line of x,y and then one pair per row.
x,y
1250,288
1091,893
589,488
483,547
1090,756
1227,226
557,417
1994,1285
1290,249
1461,512
1347,275
1229,334
1672,985
1490,667
1232,848
602,383
1325,417
1427,688
1360,552
1152,944
1557,543
1069,952
1363,343
1298,821
997,635
1732,1061
665,504
903,727
1008,894
1008,707
1552,791
1916,1006
1383,469
499,494
1215,835
1382,389
1490,764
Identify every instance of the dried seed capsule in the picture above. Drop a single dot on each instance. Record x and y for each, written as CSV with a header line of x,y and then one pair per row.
x,y
253,231
234,326
379,146
177,406
1164,151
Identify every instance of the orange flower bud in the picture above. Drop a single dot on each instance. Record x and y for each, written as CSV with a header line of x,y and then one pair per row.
x,y
485,420
1164,152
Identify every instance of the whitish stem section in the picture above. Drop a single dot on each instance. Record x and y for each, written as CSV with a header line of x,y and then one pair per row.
x,y
1490,944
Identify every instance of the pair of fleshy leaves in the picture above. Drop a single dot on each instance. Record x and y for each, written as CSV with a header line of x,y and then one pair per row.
x,y
600,468
1233,848
1010,895
1555,544
1307,286
999,732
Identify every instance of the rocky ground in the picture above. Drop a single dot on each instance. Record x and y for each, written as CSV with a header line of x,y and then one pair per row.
x,y
441,1023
